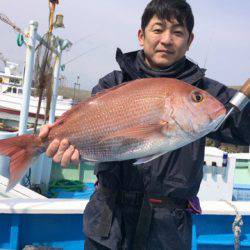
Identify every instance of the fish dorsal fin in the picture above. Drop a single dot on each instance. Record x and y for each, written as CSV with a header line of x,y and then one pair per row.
x,y
69,112
105,91
147,159
81,104
138,132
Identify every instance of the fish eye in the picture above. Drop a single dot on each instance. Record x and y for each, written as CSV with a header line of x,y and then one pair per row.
x,y
196,96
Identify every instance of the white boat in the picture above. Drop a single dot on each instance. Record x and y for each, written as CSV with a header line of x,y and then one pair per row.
x,y
11,95
11,99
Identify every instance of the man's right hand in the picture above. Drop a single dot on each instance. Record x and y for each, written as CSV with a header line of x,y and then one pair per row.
x,y
61,151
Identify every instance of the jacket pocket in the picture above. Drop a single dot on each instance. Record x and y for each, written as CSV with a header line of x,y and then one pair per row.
x,y
98,215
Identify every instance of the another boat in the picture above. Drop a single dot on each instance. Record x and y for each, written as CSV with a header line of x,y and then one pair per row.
x,y
11,98
11,95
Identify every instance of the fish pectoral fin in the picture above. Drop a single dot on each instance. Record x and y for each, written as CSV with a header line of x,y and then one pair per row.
x,y
147,159
89,161
140,132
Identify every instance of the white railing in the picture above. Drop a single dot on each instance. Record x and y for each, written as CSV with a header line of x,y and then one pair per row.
x,y
77,206
218,175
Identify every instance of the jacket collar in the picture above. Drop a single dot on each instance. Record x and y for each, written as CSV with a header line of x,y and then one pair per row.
x,y
133,69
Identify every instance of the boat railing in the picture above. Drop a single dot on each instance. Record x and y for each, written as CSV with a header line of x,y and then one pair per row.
x,y
77,206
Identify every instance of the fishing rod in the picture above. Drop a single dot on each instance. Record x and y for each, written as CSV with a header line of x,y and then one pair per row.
x,y
238,101
84,53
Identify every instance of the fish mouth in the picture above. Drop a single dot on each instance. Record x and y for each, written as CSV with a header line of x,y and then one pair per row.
x,y
218,114
212,125
217,120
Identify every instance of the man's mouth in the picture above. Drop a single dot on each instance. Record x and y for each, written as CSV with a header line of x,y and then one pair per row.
x,y
167,52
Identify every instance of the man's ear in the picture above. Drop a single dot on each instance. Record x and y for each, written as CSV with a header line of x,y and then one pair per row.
x,y
140,35
190,40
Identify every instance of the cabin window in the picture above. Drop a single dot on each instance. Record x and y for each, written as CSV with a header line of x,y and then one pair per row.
x,y
9,89
14,80
14,90
1,79
20,91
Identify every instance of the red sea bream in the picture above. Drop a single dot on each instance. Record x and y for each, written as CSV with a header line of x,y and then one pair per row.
x,y
141,120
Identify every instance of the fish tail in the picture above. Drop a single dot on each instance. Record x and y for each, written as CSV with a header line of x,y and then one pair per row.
x,y
21,150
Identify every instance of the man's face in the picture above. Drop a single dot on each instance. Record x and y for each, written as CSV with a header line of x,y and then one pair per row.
x,y
164,42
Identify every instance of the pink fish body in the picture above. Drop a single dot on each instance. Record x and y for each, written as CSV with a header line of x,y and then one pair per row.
x,y
141,120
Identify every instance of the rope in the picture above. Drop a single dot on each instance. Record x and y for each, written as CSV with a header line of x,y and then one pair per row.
x,y
52,7
236,225
66,185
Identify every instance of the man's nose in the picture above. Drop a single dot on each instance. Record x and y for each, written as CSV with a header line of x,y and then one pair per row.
x,y
166,38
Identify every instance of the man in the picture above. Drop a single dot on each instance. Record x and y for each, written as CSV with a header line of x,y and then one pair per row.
x,y
145,207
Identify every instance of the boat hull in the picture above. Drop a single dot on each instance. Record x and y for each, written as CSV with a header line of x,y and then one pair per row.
x,y
58,223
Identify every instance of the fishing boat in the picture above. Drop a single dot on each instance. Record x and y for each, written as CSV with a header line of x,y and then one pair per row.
x,y
38,222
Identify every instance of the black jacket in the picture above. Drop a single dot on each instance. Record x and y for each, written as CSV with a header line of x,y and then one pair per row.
x,y
177,174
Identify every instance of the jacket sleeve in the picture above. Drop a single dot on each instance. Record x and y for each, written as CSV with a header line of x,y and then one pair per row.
x,y
236,129
112,79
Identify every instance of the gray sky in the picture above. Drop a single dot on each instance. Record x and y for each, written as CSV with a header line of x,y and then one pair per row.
x,y
222,35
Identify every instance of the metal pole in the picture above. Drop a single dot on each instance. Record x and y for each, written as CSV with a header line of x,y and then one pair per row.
x,y
45,174
55,88
28,75
74,92
75,85
78,77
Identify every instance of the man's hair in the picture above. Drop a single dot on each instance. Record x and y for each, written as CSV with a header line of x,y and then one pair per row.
x,y
169,9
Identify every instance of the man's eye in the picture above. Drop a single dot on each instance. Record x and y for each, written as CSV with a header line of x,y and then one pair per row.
x,y
178,33
157,30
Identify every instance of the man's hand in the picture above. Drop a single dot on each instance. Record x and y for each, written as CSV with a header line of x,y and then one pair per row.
x,y
61,151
